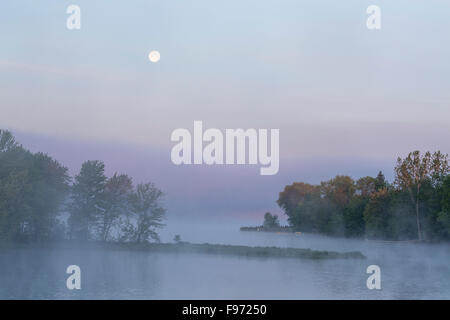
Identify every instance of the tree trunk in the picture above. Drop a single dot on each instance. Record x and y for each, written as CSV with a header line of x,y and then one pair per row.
x,y
419,232
418,220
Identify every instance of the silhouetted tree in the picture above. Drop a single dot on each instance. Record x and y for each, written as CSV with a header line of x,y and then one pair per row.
x,y
413,170
116,195
32,190
87,199
145,216
380,181
271,221
444,215
7,141
293,196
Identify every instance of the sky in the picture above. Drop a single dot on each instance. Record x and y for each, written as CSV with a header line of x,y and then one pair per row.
x,y
347,100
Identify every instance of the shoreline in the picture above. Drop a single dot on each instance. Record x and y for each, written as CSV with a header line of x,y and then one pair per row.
x,y
187,248
290,230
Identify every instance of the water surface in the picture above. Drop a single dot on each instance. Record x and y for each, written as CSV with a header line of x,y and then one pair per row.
x,y
408,270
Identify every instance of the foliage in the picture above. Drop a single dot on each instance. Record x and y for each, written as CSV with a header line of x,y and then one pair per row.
x,y
116,197
35,189
416,206
271,221
415,170
145,216
444,214
87,200
32,190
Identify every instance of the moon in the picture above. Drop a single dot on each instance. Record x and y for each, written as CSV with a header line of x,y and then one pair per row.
x,y
154,56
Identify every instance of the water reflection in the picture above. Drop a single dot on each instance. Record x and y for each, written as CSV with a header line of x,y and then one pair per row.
x,y
409,271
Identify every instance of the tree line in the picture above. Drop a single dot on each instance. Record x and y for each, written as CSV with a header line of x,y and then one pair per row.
x,y
415,206
39,201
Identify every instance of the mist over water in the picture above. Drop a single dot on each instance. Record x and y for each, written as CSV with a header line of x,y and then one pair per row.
x,y
84,102
408,270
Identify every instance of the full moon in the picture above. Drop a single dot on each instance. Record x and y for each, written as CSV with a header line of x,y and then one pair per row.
x,y
154,56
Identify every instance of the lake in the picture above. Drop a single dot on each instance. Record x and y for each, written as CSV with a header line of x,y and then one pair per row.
x,y
408,270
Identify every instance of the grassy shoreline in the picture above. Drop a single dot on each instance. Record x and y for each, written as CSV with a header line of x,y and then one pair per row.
x,y
204,248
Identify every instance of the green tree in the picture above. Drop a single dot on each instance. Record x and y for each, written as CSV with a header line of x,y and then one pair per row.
x,y
354,217
376,215
380,181
270,221
444,214
32,190
13,204
400,223
7,141
413,170
145,216
87,200
306,215
116,195
293,196
49,183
